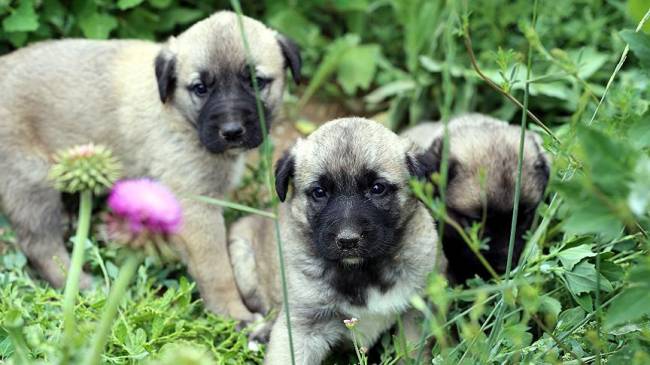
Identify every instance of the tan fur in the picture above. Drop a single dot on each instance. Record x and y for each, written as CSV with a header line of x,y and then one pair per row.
x,y
316,309
482,144
62,93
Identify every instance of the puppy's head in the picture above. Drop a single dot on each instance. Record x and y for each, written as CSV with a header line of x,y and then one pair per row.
x,y
350,182
205,75
481,185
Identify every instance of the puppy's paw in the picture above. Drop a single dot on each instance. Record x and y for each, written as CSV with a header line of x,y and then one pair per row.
x,y
261,332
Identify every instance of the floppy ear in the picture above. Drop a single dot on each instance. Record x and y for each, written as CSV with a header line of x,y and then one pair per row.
x,y
284,171
291,53
422,164
165,66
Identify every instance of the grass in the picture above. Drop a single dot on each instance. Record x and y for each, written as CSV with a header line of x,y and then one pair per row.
x,y
580,292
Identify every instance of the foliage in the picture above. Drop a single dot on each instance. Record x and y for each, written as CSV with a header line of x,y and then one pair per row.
x,y
582,287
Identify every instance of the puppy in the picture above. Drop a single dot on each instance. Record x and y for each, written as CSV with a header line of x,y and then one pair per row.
x,y
182,112
484,146
357,243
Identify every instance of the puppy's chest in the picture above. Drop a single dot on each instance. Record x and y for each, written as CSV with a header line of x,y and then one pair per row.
x,y
378,302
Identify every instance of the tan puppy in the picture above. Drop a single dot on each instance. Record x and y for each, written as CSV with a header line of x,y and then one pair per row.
x,y
481,145
357,243
182,112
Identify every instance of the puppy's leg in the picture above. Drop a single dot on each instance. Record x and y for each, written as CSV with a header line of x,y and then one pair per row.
x,y
312,342
242,256
412,321
35,210
206,255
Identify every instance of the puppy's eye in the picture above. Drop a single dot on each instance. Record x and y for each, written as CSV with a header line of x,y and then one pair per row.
x,y
378,189
200,89
318,193
262,82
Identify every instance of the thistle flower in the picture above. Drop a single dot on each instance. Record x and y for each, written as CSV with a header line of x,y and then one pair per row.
x,y
143,212
350,323
87,167
141,207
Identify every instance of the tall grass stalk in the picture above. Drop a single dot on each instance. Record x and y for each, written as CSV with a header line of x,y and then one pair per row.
x,y
444,162
74,272
515,209
267,156
115,297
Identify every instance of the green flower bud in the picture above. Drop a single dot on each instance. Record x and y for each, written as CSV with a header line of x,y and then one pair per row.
x,y
85,167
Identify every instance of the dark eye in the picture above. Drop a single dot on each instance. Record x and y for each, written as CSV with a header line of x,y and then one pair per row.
x,y
262,82
378,189
199,89
318,193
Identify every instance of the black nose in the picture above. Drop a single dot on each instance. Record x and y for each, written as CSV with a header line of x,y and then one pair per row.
x,y
231,131
347,240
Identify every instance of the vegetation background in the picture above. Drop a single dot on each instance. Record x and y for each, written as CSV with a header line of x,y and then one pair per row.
x,y
582,291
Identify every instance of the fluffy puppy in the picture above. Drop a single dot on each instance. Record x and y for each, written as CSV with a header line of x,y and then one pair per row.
x,y
182,112
481,186
357,243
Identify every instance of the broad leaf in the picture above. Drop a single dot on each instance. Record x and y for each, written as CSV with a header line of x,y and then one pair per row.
x,y
639,43
23,19
570,257
357,67
632,304
583,279
128,4
97,26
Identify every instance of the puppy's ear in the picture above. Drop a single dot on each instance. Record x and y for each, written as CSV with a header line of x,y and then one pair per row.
x,y
284,171
422,164
291,53
165,65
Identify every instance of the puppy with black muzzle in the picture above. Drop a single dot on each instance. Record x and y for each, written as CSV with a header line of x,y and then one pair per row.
x,y
481,186
182,112
357,242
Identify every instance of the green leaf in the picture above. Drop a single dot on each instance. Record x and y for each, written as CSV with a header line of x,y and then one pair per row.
x,y
294,24
639,43
17,39
551,308
390,89
23,19
357,67
637,9
583,279
160,4
570,257
54,12
570,318
631,305
639,133
639,199
611,271
97,26
179,16
127,4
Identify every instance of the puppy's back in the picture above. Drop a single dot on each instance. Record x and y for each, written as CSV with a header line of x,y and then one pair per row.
x,y
52,89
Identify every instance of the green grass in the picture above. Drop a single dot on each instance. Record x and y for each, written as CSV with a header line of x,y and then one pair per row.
x,y
581,291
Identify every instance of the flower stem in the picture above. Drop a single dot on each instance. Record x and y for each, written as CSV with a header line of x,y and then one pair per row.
x,y
74,271
116,295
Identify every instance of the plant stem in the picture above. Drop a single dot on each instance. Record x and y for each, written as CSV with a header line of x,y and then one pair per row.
x,y
515,209
74,272
266,161
127,271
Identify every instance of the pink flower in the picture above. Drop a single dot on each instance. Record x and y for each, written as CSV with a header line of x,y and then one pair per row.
x,y
145,205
